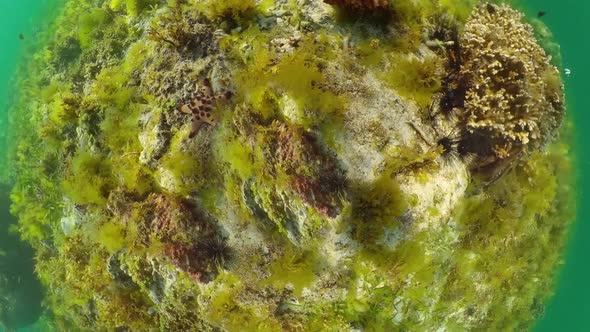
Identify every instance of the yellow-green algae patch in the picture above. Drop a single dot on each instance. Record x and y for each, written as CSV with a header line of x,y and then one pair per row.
x,y
342,187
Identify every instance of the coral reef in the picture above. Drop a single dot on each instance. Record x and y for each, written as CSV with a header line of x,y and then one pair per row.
x,y
275,166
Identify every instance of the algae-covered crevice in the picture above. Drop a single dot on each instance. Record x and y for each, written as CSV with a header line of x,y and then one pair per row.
x,y
292,165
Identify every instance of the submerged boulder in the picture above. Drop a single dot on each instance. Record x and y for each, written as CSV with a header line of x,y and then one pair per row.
x,y
273,165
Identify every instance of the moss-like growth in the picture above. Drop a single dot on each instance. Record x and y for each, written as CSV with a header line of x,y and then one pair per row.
x,y
90,23
377,207
418,79
90,179
228,9
133,8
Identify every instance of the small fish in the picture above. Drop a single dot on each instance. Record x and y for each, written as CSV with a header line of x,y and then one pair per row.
x,y
541,13
21,36
568,72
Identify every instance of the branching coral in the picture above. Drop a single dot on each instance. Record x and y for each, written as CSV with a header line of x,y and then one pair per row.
x,y
513,95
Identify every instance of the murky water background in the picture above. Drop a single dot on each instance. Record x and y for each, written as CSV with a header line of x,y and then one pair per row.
x,y
569,310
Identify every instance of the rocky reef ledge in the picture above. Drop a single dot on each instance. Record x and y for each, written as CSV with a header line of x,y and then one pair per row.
x,y
338,165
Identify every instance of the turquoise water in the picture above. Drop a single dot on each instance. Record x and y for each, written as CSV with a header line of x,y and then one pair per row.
x,y
569,310
24,17
569,20
18,17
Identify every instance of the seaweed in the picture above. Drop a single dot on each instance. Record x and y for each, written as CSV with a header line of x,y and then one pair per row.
x,y
271,215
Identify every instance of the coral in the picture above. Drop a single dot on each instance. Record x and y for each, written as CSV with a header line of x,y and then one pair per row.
x,y
513,100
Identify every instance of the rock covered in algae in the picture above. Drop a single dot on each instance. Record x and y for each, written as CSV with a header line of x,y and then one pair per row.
x,y
333,190
361,4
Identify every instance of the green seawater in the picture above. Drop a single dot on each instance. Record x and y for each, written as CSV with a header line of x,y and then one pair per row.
x,y
569,20
19,287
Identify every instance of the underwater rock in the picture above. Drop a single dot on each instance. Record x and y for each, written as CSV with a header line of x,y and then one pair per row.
x,y
278,166
118,272
154,138
361,4
71,219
